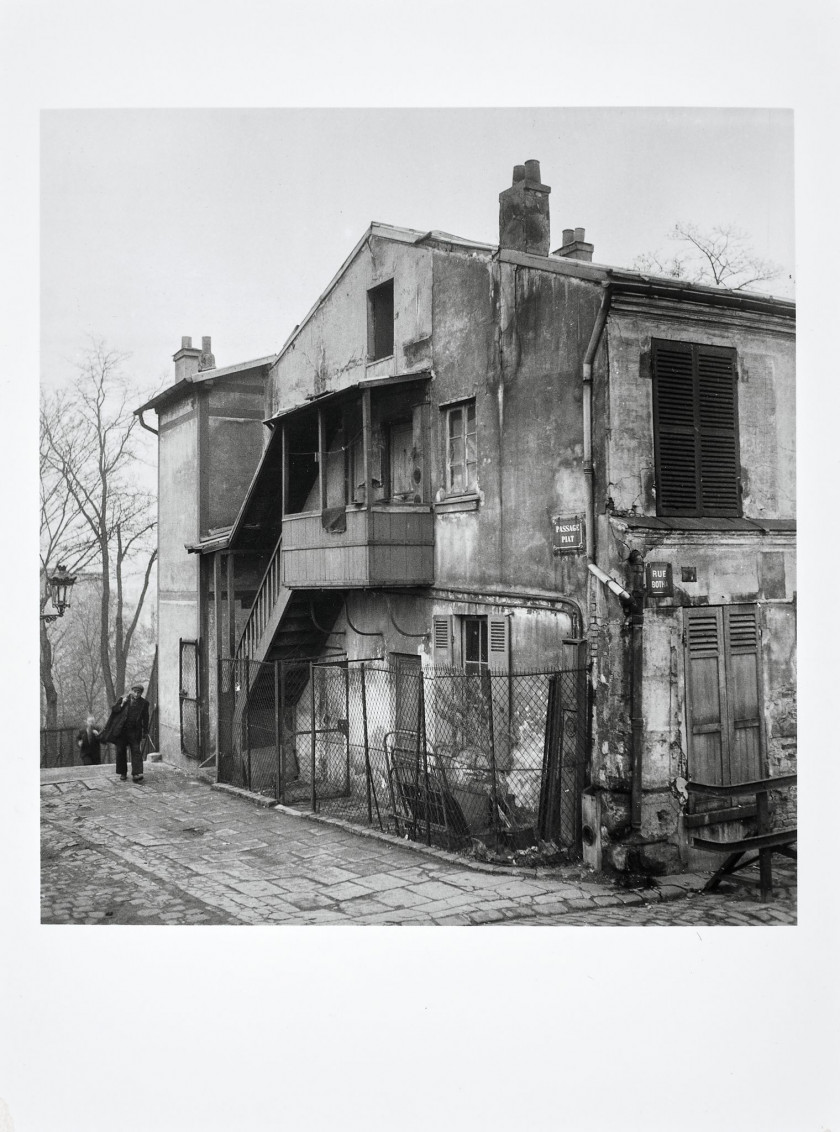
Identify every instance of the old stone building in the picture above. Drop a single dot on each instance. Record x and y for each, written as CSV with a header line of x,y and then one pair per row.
x,y
494,459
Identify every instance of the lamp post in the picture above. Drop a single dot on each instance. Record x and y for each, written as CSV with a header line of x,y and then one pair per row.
x,y
59,583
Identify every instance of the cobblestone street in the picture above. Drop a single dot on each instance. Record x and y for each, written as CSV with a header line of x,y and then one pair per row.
x,y
175,851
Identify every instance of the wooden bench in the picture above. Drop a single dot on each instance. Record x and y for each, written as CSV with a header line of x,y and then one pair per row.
x,y
765,842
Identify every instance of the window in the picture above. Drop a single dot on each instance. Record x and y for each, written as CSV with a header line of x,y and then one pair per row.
x,y
461,455
401,462
695,415
381,321
475,644
484,642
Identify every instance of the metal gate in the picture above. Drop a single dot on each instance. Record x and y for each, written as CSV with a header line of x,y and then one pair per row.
x,y
564,758
189,695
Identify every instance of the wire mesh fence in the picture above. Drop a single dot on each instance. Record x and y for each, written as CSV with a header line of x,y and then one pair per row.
x,y
59,748
440,755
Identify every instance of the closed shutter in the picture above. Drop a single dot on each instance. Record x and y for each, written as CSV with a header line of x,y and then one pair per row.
x,y
678,489
724,694
442,641
695,430
706,699
498,650
744,691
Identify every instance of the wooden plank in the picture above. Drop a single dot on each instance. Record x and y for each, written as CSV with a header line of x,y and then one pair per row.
x,y
743,844
716,817
739,789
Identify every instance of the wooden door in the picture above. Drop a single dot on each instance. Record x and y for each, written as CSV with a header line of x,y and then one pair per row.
x,y
723,694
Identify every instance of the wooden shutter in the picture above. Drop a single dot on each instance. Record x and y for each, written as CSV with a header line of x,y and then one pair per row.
x,y
708,736
717,420
723,695
442,641
677,486
695,430
744,691
498,642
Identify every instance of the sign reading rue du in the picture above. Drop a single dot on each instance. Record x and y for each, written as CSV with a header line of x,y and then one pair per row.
x,y
660,582
569,537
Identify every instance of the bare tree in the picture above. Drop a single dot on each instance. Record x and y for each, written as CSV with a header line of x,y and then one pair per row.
x,y
88,441
720,257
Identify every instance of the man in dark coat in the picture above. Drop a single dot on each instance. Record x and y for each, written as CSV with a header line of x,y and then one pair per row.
x,y
127,728
88,742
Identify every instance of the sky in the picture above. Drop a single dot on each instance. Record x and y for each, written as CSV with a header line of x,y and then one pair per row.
x,y
229,223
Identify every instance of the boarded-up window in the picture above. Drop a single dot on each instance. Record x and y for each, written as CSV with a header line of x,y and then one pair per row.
x,y
695,411
723,694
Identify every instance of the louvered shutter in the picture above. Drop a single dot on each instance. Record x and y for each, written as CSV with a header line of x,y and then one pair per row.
x,y
717,420
677,486
498,642
744,691
706,696
695,430
442,641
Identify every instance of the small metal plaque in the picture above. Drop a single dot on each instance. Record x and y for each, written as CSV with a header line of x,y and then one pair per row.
x,y
689,573
660,582
569,536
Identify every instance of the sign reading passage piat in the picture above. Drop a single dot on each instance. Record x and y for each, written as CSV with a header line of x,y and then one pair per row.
x,y
569,535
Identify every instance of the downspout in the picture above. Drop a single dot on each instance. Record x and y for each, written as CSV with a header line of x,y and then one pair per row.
x,y
148,428
588,470
637,723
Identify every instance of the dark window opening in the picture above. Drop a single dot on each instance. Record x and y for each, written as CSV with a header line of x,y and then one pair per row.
x,y
381,321
695,414
475,644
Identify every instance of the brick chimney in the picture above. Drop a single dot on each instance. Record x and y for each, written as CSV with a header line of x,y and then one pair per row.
x,y
186,360
575,245
523,212
206,361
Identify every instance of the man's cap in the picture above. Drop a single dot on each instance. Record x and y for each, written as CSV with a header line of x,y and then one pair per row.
x,y
137,687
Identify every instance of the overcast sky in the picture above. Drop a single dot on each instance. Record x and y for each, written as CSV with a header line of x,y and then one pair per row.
x,y
160,223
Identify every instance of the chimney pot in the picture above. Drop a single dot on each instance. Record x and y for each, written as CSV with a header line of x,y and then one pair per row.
x,y
205,342
568,235
186,343
523,212
580,235
206,361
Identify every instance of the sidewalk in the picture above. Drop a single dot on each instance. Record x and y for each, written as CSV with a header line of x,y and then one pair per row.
x,y
176,851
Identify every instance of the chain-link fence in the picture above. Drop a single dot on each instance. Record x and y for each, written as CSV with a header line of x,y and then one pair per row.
x,y
439,755
59,748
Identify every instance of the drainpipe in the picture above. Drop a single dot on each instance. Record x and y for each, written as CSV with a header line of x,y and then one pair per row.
x,y
637,621
588,471
143,424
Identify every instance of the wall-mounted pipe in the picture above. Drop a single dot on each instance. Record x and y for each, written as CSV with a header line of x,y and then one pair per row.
x,y
588,468
361,632
401,631
143,424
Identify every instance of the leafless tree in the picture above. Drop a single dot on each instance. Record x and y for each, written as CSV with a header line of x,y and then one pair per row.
x,y
90,460
720,257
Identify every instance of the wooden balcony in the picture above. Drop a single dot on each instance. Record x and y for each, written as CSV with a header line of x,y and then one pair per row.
x,y
388,545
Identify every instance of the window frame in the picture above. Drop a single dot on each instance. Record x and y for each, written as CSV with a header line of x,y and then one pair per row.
x,y
381,312
463,407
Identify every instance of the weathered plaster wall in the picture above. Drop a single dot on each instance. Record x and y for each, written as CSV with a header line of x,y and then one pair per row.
x,y
177,570
514,338
330,351
234,441
766,405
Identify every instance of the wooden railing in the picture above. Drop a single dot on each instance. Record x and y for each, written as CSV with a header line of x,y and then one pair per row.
x,y
264,602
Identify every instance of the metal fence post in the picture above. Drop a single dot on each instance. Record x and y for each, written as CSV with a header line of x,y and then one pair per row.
x,y
367,748
312,727
277,736
248,716
494,796
421,730
283,674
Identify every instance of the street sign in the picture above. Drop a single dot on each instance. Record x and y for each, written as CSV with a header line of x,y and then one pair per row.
x,y
660,581
569,537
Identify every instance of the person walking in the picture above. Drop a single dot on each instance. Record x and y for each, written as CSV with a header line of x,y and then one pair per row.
x,y
89,743
127,728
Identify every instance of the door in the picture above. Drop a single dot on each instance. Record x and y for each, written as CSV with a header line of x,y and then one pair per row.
x,y
189,695
723,694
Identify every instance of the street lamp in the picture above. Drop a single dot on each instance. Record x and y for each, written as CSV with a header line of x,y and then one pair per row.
x,y
59,582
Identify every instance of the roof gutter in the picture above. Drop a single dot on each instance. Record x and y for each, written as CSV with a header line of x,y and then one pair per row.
x,y
139,414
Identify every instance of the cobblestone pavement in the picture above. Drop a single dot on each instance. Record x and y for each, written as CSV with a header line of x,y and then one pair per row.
x,y
174,851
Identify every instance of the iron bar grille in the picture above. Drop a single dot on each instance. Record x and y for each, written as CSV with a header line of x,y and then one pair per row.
x,y
430,754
